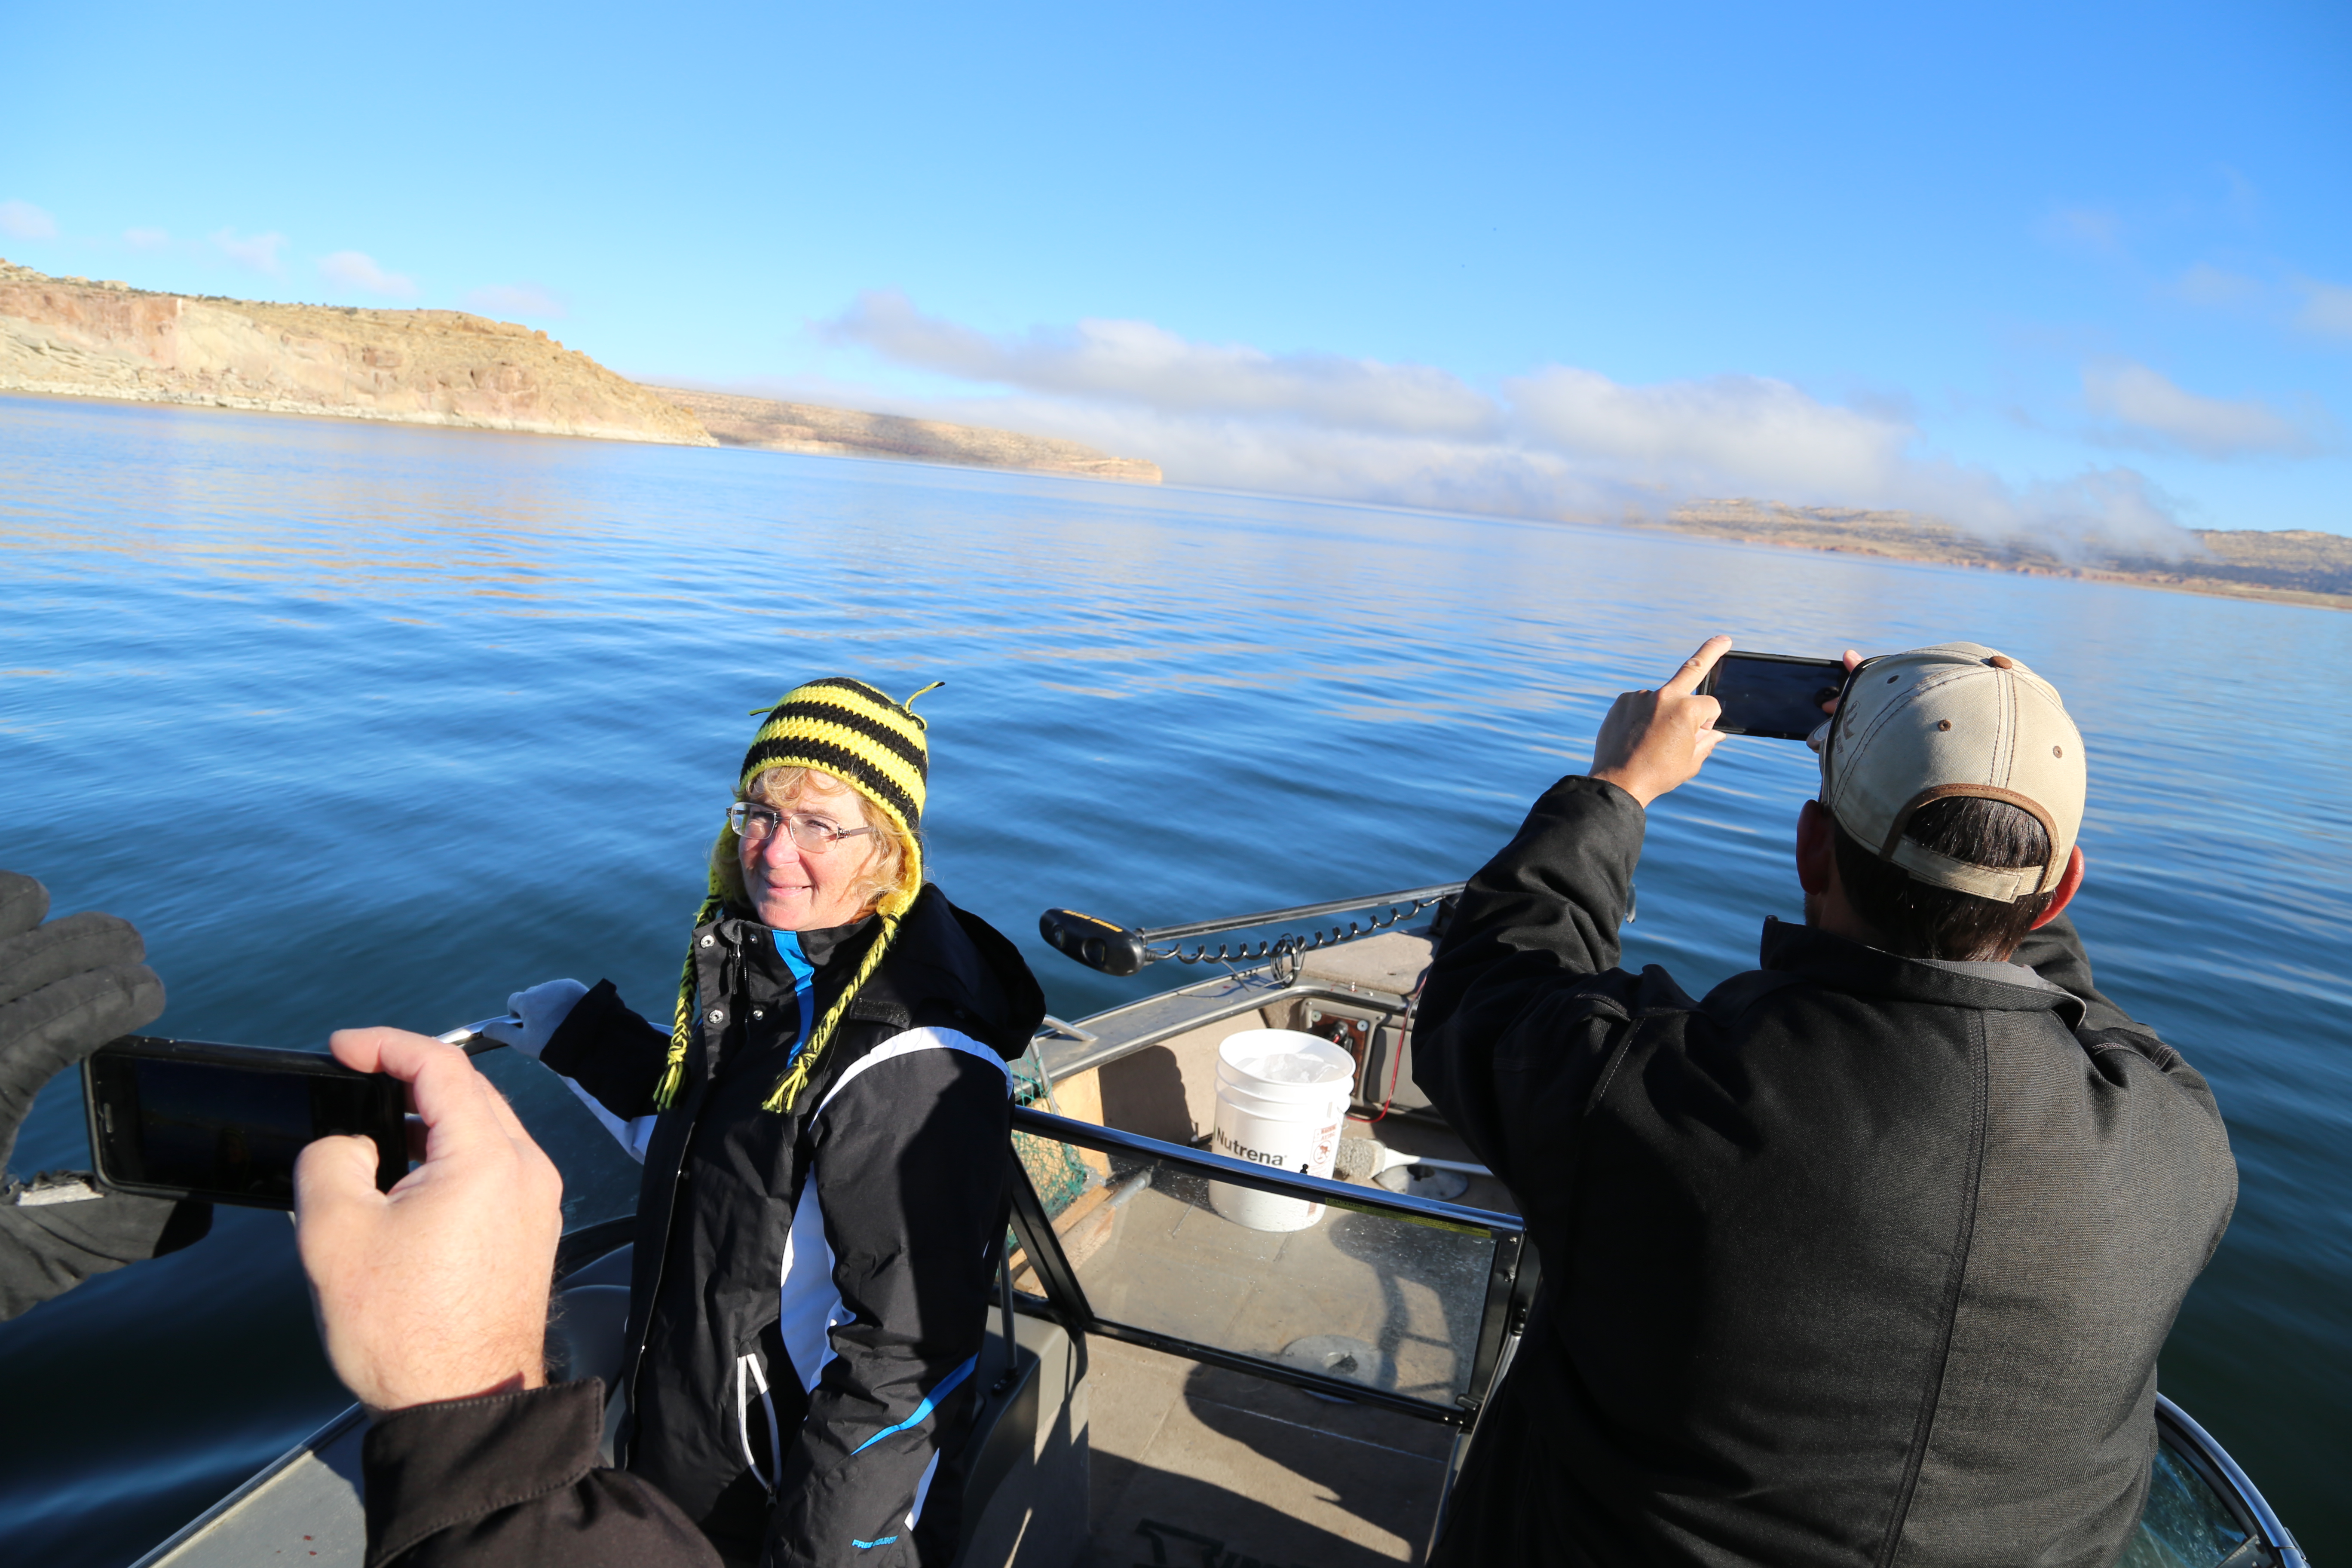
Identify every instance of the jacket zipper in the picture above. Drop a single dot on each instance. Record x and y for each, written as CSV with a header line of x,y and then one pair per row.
x,y
670,1226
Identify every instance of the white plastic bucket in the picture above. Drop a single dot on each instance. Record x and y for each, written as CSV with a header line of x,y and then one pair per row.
x,y
1282,1098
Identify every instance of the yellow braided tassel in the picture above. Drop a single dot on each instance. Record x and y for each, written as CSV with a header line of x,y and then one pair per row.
x,y
681,1028
789,1087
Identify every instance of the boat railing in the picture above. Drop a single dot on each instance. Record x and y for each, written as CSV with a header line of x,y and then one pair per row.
x,y
1496,1241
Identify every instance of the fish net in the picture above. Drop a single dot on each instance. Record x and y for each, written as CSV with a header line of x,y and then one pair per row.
x,y
1055,1169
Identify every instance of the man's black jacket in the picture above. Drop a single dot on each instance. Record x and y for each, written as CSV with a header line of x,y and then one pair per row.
x,y
1859,1260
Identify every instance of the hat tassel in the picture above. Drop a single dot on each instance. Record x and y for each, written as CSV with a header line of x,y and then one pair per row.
x,y
788,1087
681,1027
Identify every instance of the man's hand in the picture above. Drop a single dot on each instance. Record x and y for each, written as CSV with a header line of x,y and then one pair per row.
x,y
1652,741
437,1289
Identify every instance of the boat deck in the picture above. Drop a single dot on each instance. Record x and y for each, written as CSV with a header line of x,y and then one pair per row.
x,y
1204,1468
1197,1467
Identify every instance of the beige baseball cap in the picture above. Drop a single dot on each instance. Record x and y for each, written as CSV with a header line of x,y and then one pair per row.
x,y
1956,719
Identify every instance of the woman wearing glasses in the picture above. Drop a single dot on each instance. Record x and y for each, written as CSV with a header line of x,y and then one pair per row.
x,y
823,1134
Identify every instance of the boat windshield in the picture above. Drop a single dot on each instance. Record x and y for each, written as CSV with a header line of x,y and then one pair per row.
x,y
1401,1303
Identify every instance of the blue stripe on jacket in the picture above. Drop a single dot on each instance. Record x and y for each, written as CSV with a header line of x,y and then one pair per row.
x,y
946,1386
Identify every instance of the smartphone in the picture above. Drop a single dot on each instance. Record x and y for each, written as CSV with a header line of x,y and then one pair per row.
x,y
1772,693
187,1118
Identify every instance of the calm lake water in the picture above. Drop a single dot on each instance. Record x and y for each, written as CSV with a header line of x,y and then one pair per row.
x,y
367,724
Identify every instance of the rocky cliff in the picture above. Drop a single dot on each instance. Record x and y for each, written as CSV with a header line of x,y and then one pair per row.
x,y
428,367
840,432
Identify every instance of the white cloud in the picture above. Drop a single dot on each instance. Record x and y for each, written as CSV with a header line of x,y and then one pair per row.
x,y
146,239
22,220
1137,361
1561,441
518,299
258,251
357,270
2326,310
2152,412
1744,431
2215,288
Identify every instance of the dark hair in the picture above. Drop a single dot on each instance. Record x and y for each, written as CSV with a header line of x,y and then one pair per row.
x,y
1920,920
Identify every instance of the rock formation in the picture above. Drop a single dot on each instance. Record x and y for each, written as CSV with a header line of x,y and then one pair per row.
x,y
426,367
839,432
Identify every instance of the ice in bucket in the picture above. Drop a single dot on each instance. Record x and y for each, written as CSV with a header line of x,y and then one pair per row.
x,y
1282,1098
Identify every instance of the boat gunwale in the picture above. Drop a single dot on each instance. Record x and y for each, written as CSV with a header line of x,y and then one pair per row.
x,y
1064,1055
2229,1481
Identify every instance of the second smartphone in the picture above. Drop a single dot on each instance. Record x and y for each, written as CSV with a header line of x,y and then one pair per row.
x,y
190,1118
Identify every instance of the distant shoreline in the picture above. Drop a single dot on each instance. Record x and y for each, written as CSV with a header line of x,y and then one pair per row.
x,y
70,337
2289,567
770,426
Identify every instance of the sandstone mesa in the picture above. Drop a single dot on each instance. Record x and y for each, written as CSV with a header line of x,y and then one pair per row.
x,y
73,337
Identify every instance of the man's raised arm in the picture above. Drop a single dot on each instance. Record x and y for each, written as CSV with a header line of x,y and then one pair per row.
x,y
1551,901
1548,907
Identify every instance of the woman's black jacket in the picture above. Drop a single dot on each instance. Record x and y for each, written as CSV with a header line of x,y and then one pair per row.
x,y
810,1288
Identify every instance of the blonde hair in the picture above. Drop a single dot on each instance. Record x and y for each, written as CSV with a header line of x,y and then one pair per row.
x,y
784,788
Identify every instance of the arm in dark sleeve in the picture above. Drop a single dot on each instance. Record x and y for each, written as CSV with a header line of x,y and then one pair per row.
x,y
1538,921
610,1052
911,1170
511,1481
2056,953
2113,1038
55,1235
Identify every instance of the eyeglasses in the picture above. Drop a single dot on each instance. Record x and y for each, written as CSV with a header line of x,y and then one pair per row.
x,y
755,824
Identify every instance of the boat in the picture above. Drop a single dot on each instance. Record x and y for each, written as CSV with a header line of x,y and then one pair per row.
x,y
1163,1384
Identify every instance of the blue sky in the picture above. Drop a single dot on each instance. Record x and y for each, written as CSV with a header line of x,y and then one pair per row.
x,y
2058,268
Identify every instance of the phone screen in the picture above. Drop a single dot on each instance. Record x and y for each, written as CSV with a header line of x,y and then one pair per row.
x,y
1772,694
230,1129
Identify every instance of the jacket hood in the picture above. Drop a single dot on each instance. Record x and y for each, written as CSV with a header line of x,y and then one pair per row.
x,y
950,962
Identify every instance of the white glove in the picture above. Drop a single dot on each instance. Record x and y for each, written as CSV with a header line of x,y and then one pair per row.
x,y
533,1016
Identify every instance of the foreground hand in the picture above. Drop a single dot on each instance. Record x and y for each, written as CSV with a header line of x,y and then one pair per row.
x,y
66,987
437,1289
1652,741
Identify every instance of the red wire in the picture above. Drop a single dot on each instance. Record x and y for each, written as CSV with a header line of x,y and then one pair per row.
x,y
1396,1061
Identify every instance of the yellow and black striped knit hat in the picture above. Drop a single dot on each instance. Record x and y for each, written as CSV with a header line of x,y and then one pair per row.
x,y
849,730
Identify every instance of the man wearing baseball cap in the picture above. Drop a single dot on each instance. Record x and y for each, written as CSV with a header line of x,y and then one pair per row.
x,y
1865,1256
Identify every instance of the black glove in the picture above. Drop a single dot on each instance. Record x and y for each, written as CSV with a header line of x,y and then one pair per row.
x,y
66,989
